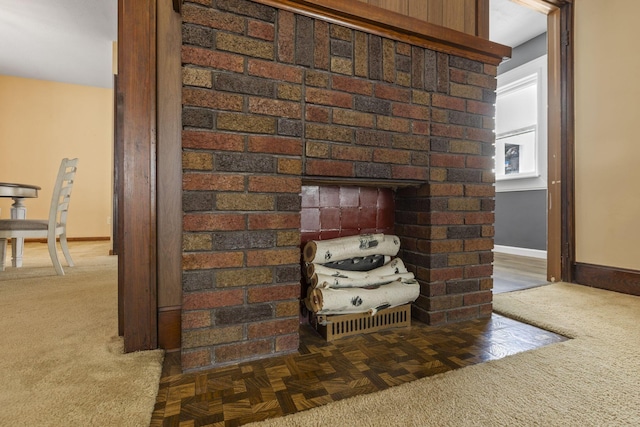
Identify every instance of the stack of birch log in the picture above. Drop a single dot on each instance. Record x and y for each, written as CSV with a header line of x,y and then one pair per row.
x,y
356,274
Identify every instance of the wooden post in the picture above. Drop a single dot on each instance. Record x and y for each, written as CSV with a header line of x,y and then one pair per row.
x,y
137,207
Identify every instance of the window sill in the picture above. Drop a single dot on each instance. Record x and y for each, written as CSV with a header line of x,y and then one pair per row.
x,y
515,176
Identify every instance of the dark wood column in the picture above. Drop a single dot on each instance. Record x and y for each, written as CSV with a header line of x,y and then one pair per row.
x,y
169,240
136,165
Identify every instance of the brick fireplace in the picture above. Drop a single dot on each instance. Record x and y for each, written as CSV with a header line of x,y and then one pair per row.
x,y
274,101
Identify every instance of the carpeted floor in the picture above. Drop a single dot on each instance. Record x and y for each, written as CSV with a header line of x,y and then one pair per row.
x,y
62,362
590,380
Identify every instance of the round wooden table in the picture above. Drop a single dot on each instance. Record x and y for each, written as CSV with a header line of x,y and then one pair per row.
x,y
18,192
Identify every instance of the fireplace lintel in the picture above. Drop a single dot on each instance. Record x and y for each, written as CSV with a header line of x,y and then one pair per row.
x,y
394,184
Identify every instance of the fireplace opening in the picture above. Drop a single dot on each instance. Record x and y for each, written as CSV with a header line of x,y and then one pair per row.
x,y
334,210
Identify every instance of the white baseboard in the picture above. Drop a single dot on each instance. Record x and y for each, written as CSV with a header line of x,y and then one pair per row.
x,y
533,253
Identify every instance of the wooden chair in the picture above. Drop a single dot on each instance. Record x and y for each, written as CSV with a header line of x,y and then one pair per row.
x,y
55,226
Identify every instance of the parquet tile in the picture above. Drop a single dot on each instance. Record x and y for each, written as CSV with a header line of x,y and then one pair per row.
x,y
324,372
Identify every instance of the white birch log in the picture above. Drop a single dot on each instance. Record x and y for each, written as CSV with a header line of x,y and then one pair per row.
x,y
361,300
394,266
323,281
333,269
342,248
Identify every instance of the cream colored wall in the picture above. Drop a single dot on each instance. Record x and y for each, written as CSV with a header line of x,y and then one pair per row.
x,y
607,138
42,122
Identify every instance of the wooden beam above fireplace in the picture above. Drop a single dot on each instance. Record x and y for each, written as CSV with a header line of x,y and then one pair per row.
x,y
386,23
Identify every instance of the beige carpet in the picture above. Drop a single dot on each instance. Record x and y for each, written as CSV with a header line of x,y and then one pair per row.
x,y
61,359
591,380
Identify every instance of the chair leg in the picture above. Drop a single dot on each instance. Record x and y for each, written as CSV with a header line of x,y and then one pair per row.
x,y
53,253
17,250
65,249
3,253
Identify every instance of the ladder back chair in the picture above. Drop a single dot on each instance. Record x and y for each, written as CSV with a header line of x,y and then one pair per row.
x,y
52,228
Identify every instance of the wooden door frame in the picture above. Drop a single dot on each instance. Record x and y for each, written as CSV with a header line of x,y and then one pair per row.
x,y
560,220
567,143
560,179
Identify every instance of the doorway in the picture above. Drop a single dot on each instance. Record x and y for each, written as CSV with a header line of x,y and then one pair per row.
x,y
533,219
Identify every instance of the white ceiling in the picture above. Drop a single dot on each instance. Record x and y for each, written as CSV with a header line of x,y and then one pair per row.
x,y
512,24
70,41
67,41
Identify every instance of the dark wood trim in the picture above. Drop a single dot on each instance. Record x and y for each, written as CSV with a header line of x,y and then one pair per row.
x,y
385,23
543,6
170,328
117,143
169,250
558,3
137,207
482,18
568,144
609,278
118,191
561,169
88,239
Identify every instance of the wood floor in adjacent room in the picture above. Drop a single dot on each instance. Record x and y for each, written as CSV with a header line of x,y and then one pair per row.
x,y
323,372
514,272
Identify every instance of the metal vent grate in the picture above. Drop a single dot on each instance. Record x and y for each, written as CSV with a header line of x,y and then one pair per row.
x,y
338,326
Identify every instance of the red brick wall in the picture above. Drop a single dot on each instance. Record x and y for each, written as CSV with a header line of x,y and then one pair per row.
x,y
338,211
270,97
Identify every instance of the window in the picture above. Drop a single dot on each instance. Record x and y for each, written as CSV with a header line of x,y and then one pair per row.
x,y
521,128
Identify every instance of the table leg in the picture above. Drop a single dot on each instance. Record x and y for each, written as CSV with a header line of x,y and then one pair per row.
x,y
18,211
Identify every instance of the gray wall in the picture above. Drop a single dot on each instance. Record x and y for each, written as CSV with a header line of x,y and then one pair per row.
x,y
527,51
521,216
521,219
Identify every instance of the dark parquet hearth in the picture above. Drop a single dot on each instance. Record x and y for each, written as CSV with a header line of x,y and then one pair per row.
x,y
324,372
